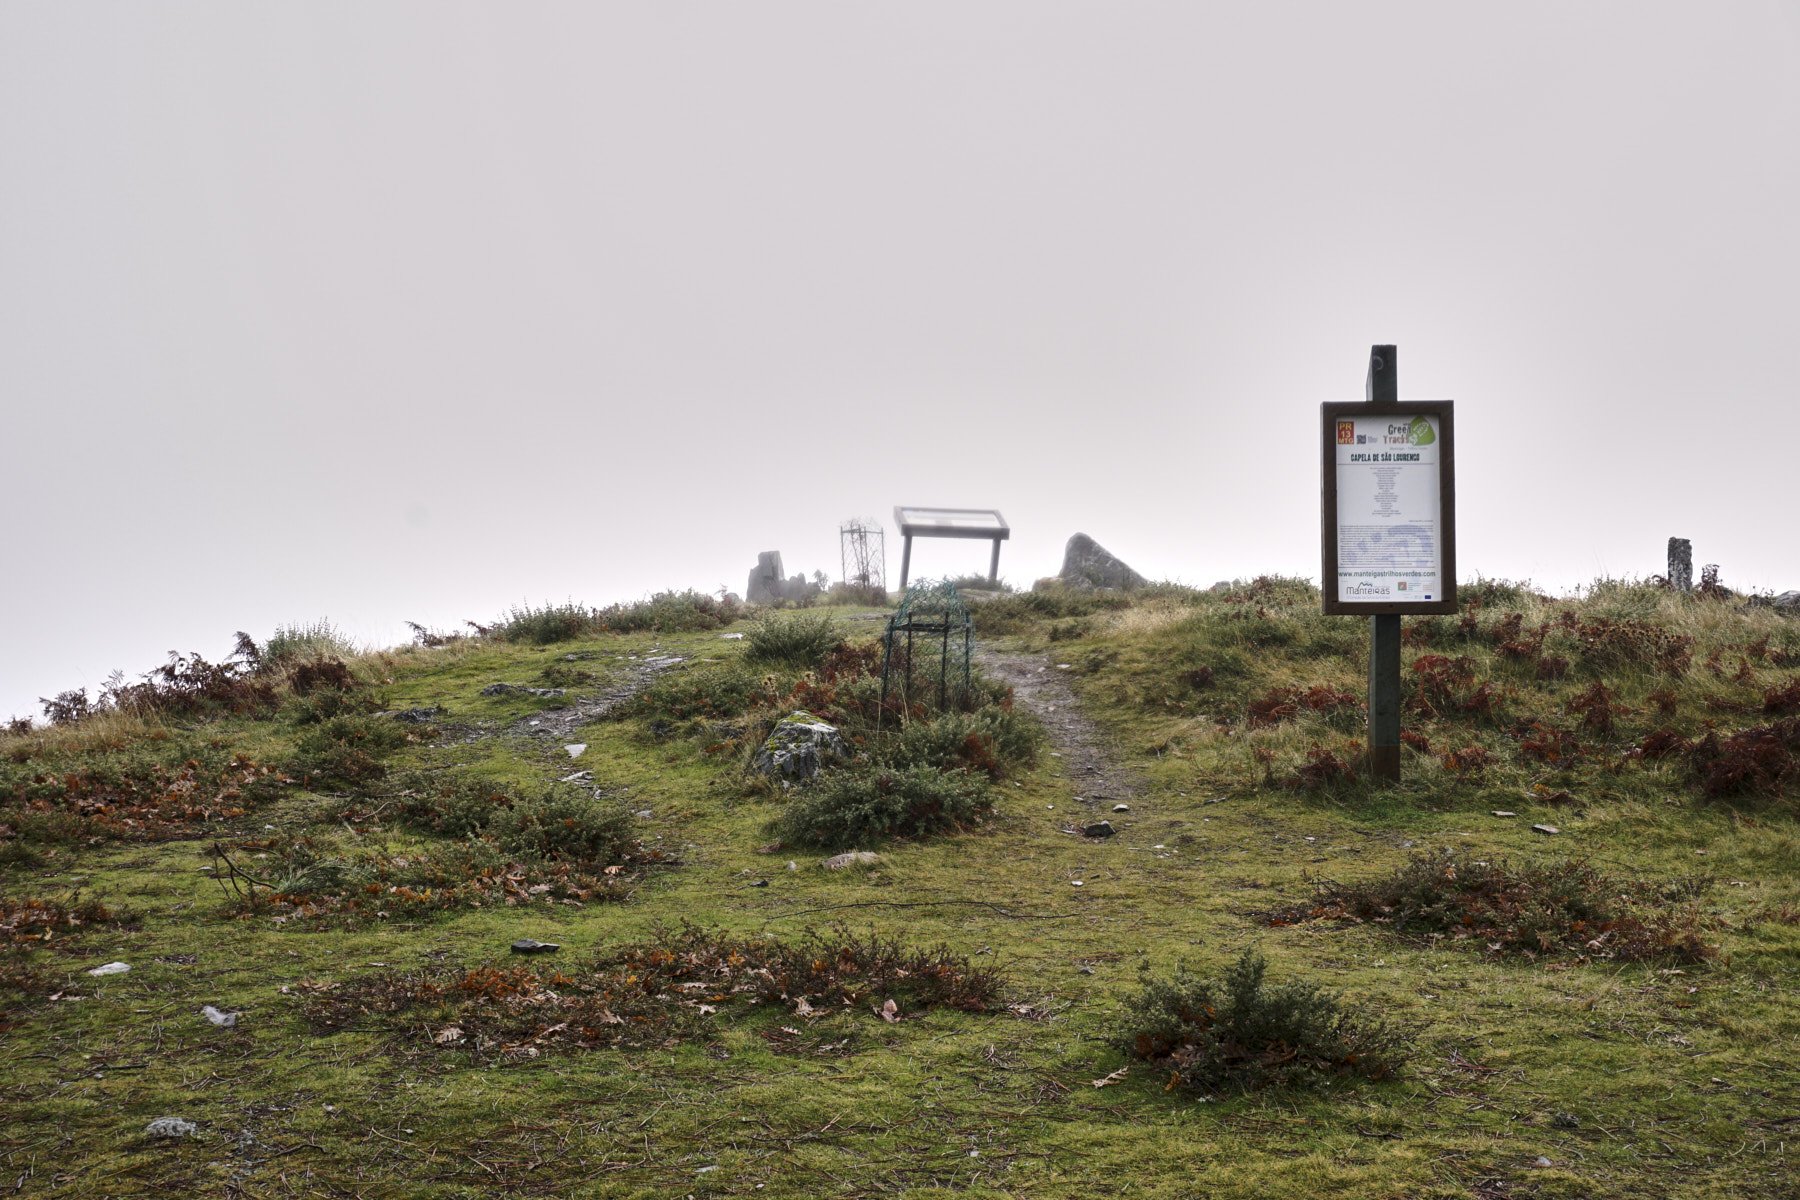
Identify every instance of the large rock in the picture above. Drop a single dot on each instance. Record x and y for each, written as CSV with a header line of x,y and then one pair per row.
x,y
765,579
1087,564
798,747
767,586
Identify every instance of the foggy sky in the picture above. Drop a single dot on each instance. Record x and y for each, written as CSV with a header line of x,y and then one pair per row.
x,y
378,311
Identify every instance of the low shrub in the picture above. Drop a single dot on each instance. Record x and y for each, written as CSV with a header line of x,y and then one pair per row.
x,y
654,992
992,740
669,612
1560,906
131,797
1241,1033
311,880
1285,703
710,692
347,751
1762,761
794,639
1018,611
558,822
862,805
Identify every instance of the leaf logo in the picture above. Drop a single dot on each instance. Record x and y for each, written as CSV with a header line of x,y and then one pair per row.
x,y
1420,433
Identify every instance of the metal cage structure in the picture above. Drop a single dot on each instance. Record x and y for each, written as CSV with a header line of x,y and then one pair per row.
x,y
862,548
934,614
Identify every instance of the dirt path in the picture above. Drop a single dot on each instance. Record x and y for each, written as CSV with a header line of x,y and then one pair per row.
x,y
1043,690
563,722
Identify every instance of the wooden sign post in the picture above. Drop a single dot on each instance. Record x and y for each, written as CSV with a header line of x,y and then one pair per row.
x,y
1388,499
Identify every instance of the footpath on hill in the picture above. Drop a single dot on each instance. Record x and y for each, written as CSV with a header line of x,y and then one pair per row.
x,y
1041,688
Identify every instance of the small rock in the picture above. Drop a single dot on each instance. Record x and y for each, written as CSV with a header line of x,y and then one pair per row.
x,y
1545,829
1086,970
1074,883
171,1127
576,750
417,716
514,689
223,1020
792,865
1541,1161
1121,808
851,858
1563,1120
533,946
759,883
1501,812
731,637
577,777
642,814
111,968
1098,829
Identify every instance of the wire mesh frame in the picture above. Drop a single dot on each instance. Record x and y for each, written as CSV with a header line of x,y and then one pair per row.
x,y
935,611
862,553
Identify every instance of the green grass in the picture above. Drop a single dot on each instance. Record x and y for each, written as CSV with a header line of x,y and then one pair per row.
x,y
1678,1076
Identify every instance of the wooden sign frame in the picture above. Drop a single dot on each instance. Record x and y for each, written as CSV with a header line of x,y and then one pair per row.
x,y
1444,411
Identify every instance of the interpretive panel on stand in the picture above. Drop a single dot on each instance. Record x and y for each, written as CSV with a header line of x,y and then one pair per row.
x,y
1389,507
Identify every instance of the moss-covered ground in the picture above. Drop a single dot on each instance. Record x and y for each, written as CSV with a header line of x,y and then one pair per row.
x,y
1560,1075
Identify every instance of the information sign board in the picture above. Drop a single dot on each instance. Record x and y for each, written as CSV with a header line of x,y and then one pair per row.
x,y
1389,501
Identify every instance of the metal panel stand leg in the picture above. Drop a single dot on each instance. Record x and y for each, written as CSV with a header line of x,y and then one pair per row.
x,y
905,562
994,564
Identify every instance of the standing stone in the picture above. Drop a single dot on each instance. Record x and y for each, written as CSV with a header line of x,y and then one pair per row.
x,y
766,581
1681,564
1087,564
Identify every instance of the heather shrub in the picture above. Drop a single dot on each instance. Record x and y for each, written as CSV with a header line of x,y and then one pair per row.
x,y
861,805
1241,1033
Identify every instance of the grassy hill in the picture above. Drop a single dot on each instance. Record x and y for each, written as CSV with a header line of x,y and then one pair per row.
x,y
341,848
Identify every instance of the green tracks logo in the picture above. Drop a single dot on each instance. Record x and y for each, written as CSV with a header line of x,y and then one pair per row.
x,y
1420,433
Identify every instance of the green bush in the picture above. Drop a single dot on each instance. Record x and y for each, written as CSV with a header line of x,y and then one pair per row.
x,y
543,626
795,639
557,823
304,643
1240,1033
862,805
346,751
995,741
698,693
669,612
565,824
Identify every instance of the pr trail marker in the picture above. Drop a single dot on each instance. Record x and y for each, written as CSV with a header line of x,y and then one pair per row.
x,y
1388,501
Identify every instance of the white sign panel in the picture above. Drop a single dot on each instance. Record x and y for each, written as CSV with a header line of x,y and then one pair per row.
x,y
1389,512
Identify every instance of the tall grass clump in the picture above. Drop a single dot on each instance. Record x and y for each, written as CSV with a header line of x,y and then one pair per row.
x,y
795,639
302,643
1241,1033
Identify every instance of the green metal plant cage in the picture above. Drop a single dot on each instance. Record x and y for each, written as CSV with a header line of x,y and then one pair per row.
x,y
928,613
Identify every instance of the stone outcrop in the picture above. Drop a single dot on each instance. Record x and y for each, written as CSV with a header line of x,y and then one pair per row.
x,y
767,586
798,747
1088,564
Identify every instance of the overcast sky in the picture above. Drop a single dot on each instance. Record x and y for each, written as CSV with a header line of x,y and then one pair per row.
x,y
378,311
